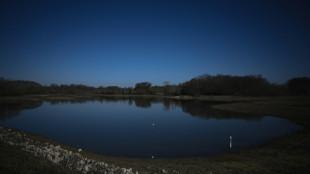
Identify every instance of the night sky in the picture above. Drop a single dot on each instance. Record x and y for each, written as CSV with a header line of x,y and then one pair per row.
x,y
125,42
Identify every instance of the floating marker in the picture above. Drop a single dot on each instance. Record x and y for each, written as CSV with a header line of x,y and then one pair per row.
x,y
230,143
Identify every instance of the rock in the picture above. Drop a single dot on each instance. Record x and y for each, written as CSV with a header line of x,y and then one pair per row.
x,y
129,170
49,157
105,165
57,159
55,154
86,168
57,147
11,143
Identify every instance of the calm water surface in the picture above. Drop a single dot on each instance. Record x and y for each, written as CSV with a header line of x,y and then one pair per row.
x,y
123,127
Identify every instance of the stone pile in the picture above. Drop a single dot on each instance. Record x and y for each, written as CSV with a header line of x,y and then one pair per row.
x,y
58,155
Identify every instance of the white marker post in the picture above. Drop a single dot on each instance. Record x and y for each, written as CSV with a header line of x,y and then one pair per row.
x,y
230,143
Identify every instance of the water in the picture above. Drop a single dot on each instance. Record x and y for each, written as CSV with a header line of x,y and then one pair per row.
x,y
123,126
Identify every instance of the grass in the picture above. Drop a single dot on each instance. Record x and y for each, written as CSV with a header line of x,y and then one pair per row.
x,y
283,155
14,160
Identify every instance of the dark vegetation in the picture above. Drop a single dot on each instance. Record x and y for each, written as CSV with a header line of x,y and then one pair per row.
x,y
299,86
14,160
231,85
19,87
251,85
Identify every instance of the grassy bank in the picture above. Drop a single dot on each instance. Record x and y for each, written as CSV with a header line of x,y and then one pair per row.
x,y
284,155
14,160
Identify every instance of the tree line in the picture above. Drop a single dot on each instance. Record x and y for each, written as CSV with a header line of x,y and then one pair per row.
x,y
250,85
254,85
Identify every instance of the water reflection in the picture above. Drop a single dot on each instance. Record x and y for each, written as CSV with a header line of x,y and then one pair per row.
x,y
195,108
8,110
204,110
142,127
143,103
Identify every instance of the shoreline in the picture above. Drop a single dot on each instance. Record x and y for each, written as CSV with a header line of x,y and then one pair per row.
x,y
219,98
280,155
58,154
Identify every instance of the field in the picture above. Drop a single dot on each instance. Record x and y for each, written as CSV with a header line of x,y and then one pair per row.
x,y
284,155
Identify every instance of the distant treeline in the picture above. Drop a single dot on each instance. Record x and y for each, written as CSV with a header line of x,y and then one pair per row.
x,y
231,85
251,85
19,87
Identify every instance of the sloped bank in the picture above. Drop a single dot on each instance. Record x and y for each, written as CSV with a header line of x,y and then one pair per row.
x,y
283,155
72,160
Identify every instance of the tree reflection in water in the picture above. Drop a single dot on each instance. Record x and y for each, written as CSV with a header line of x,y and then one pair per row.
x,y
196,108
8,110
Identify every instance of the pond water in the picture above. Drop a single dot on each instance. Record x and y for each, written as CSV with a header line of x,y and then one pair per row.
x,y
141,127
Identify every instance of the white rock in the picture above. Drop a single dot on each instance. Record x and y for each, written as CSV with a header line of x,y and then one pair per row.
x,y
57,154
106,165
86,168
57,147
57,160
49,157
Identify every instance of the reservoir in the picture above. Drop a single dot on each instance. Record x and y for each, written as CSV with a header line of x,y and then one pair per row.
x,y
144,127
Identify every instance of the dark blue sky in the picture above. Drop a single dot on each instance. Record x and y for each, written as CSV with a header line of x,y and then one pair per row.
x,y
125,42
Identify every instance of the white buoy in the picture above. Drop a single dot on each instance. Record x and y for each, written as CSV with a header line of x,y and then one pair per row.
x,y
230,143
